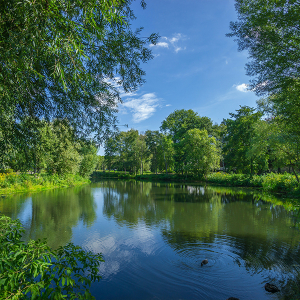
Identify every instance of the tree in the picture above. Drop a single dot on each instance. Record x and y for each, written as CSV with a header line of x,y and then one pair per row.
x,y
152,139
177,124
100,163
180,121
62,59
110,152
165,151
240,133
89,158
273,141
202,153
34,271
64,157
270,31
142,153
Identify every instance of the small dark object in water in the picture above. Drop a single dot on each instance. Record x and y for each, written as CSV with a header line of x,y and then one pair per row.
x,y
233,298
271,288
204,262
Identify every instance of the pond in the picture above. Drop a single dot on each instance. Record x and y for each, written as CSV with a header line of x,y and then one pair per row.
x,y
153,237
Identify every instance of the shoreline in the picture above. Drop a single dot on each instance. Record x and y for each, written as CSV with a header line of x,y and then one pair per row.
x,y
20,183
271,183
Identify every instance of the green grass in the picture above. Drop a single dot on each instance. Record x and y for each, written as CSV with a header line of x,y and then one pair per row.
x,y
270,182
18,183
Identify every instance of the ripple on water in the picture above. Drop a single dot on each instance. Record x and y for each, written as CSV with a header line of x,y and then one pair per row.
x,y
143,261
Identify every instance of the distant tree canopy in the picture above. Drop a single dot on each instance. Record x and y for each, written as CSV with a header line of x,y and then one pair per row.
x,y
239,137
52,147
180,121
172,149
63,59
245,143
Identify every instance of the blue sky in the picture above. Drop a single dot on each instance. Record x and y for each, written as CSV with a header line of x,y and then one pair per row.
x,y
195,66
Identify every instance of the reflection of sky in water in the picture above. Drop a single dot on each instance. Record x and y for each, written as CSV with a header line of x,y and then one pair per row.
x,y
153,239
25,215
120,249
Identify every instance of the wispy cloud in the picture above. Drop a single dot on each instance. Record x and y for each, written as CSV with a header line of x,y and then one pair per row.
x,y
116,84
160,44
171,42
142,108
242,87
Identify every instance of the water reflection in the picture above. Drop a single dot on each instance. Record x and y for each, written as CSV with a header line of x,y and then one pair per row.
x,y
52,214
229,228
154,236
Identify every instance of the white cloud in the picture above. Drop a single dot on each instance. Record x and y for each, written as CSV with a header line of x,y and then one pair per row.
x,y
168,105
242,87
172,42
160,44
179,48
142,108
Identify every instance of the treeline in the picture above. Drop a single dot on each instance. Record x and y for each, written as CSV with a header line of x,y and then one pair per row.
x,y
54,147
246,143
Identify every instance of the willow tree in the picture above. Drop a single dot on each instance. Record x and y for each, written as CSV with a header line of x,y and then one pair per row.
x,y
270,32
67,59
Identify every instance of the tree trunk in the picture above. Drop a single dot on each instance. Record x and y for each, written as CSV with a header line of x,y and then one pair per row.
x,y
295,174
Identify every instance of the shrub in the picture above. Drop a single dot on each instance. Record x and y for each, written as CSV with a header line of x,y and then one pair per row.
x,y
269,182
34,271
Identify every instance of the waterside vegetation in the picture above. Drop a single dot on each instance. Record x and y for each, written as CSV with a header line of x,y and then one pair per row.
x,y
20,183
35,271
272,182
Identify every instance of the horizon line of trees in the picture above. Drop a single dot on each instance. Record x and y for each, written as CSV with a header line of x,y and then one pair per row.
x,y
51,147
248,142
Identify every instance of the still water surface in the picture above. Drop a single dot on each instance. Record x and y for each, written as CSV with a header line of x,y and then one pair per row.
x,y
153,237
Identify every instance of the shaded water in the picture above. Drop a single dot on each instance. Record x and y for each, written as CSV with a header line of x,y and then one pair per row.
x,y
153,237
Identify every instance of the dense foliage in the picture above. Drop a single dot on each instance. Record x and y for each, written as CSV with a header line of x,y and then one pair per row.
x,y
34,271
246,143
66,60
269,30
51,147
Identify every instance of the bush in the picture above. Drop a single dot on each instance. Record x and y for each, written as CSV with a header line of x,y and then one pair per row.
x,y
269,182
11,183
34,271
6,171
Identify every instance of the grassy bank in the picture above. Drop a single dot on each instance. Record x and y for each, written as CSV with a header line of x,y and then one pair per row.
x,y
272,182
278,183
17,183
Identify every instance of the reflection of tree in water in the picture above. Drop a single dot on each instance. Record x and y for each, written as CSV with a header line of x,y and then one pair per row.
x,y
259,233
55,212
12,205
129,202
